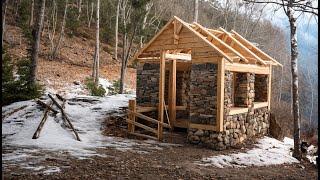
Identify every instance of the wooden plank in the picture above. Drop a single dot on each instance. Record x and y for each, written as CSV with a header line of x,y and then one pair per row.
x,y
249,68
269,86
249,45
213,60
203,127
141,109
220,95
176,46
43,120
238,110
132,107
143,135
180,56
162,78
172,91
175,35
257,105
142,126
139,115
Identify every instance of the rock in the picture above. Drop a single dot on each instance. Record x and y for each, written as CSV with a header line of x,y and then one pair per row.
x,y
199,133
194,139
76,82
241,139
243,129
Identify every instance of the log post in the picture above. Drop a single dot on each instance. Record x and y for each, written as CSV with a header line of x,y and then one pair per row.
x,y
172,92
161,94
132,117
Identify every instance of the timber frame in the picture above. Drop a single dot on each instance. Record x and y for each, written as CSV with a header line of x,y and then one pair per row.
x,y
178,45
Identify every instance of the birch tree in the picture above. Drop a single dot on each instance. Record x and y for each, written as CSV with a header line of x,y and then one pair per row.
x,y
79,9
95,70
31,14
196,10
36,34
291,8
56,49
4,6
117,30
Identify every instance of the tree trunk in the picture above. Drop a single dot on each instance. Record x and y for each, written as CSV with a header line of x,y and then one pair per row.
x,y
196,10
54,53
79,9
96,60
90,17
311,89
36,33
295,92
31,14
117,28
4,5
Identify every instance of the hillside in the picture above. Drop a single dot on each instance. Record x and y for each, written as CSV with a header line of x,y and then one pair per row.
x,y
74,62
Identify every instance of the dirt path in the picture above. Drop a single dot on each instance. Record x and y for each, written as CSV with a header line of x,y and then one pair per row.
x,y
169,163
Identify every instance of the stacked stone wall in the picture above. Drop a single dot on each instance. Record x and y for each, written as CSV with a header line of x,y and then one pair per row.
x,y
261,88
203,93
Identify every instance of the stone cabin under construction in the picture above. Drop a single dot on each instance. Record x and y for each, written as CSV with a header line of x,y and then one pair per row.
x,y
215,83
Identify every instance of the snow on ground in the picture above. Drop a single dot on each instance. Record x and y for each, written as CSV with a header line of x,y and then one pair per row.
x,y
87,113
269,151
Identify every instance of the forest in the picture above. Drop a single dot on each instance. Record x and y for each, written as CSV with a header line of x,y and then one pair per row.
x,y
60,45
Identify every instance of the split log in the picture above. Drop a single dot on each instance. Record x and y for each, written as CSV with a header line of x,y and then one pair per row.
x,y
64,115
44,105
43,120
61,99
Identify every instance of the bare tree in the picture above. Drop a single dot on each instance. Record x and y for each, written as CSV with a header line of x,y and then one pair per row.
x,y
290,7
36,34
89,16
116,30
51,32
196,10
56,49
31,14
4,6
95,72
79,9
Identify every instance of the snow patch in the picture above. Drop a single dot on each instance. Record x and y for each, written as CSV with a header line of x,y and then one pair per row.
x,y
269,151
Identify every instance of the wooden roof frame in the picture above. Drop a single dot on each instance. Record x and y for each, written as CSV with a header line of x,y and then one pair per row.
x,y
239,48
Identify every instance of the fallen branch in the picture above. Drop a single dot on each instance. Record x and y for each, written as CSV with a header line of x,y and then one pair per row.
x,y
64,115
43,120
44,105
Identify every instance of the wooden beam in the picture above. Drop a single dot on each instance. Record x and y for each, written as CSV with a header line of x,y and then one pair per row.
x,y
180,56
172,91
203,127
216,39
269,86
142,126
132,117
248,43
139,115
175,35
243,47
220,95
162,78
249,68
204,39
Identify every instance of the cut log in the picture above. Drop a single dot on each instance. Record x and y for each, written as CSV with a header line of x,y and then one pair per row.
x,y
143,135
64,115
43,120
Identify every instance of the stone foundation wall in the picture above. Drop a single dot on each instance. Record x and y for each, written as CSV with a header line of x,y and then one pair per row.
x,y
147,84
237,128
203,93
244,89
261,88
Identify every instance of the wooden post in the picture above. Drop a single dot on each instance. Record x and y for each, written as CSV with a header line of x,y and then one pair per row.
x,y
132,117
269,86
220,94
161,94
172,92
